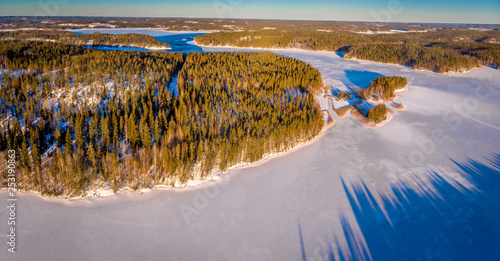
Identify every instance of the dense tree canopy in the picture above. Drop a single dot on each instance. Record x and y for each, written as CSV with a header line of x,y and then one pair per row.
x,y
377,114
441,50
95,39
415,56
139,119
383,87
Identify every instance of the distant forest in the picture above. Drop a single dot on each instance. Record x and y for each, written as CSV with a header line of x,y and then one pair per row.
x,y
77,117
220,24
443,50
95,39
436,47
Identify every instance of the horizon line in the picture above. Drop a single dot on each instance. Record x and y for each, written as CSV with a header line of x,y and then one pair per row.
x,y
263,19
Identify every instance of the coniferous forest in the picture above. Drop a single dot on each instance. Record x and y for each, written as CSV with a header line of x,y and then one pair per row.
x,y
94,39
77,117
418,57
440,50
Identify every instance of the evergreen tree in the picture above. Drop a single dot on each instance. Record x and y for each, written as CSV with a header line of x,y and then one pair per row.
x,y
57,136
133,135
68,145
146,136
25,157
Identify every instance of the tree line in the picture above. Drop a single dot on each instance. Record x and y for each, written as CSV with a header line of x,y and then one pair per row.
x,y
94,39
418,57
487,52
228,24
441,50
383,87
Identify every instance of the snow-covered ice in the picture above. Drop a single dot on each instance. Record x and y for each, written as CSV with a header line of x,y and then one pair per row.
x,y
424,186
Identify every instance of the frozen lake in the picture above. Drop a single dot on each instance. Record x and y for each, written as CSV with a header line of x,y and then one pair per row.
x,y
178,41
425,186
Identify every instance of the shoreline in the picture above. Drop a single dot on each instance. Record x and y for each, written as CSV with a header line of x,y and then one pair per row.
x,y
334,52
190,184
148,48
260,48
376,125
213,177
197,184
418,70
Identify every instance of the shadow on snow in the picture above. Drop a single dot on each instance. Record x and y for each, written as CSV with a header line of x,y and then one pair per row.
x,y
359,79
433,220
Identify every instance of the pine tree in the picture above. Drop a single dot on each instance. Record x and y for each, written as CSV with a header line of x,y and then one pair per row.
x,y
105,132
133,135
92,156
146,136
68,145
36,155
25,156
79,133
57,136
157,137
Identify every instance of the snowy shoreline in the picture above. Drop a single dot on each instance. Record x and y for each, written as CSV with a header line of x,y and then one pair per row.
x,y
264,49
417,70
333,52
149,48
192,183
197,182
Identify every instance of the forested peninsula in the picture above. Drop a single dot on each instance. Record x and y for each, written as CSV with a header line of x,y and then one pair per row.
x,y
94,39
78,118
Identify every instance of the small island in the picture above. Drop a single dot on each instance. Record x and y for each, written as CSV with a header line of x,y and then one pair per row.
x,y
382,90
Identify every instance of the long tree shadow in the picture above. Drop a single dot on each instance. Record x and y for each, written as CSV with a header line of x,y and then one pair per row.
x,y
436,219
359,79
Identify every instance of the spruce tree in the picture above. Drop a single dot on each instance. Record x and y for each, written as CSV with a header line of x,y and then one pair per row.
x,y
57,136
68,144
25,156
146,137
133,135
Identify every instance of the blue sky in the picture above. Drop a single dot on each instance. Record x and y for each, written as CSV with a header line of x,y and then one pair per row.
x,y
446,11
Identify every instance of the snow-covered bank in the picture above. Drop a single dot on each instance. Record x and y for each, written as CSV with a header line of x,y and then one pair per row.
x,y
259,48
128,47
103,189
419,70
321,51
